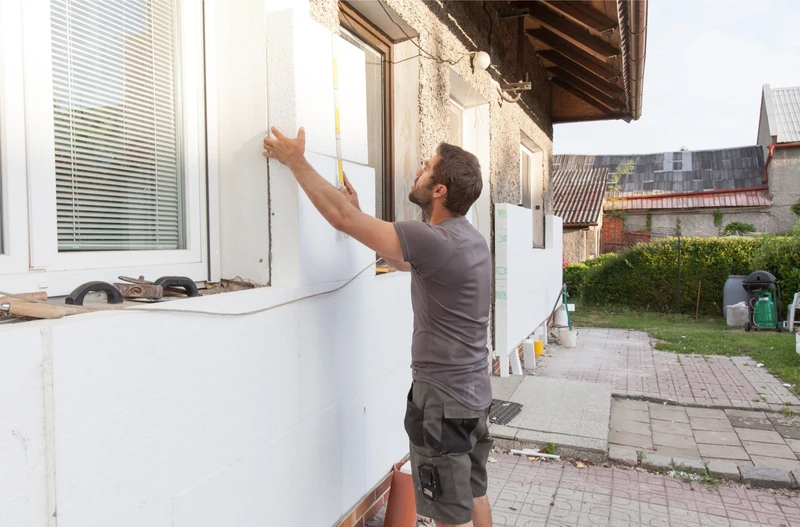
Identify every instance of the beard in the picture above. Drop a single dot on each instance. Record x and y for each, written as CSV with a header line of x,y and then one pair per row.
x,y
422,197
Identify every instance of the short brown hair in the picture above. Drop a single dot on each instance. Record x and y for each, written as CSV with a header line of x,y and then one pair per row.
x,y
460,172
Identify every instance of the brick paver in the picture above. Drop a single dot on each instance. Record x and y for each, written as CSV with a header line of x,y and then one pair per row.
x,y
627,361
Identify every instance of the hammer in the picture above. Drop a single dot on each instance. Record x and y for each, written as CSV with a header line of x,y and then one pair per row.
x,y
36,310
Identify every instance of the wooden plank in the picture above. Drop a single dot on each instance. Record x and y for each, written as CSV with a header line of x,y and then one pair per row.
x,y
570,67
585,97
585,14
574,53
597,94
593,44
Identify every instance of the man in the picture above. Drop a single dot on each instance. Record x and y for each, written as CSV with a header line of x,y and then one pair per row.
x,y
448,404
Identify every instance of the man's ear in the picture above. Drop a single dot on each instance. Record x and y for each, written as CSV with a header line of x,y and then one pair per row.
x,y
439,191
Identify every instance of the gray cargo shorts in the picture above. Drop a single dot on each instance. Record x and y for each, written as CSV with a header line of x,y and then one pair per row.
x,y
450,446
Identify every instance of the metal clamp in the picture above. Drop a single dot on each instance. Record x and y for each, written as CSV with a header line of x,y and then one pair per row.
x,y
77,296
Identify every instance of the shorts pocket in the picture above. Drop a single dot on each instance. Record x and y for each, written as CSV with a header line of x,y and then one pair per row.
x,y
458,425
413,423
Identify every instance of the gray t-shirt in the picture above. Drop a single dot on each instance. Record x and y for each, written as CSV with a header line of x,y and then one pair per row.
x,y
451,270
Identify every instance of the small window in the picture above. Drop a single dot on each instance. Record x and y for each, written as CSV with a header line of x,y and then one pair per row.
x,y
377,50
677,161
525,164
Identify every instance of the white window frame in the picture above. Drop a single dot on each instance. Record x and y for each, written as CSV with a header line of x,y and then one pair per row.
x,y
31,131
525,151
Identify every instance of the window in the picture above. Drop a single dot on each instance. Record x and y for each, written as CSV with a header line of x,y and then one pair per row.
x,y
377,49
531,176
119,179
677,161
525,164
102,125
456,124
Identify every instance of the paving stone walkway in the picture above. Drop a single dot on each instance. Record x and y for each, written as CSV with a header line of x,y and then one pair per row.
x,y
558,494
722,437
627,361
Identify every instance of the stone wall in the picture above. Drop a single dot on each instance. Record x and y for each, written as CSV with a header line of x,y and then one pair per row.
x,y
784,185
581,244
450,31
698,222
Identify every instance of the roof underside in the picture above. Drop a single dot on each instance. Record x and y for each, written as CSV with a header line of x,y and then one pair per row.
x,y
728,169
578,195
785,116
593,51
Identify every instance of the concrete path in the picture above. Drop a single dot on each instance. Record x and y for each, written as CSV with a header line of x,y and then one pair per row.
x,y
720,438
558,494
627,361
573,414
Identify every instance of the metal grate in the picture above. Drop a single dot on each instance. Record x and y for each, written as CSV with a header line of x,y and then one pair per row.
x,y
503,412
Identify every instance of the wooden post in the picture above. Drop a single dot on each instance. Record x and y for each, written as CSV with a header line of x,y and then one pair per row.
x,y
697,310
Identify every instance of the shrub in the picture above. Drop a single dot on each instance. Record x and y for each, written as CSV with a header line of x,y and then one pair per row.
x,y
780,255
645,276
738,227
796,208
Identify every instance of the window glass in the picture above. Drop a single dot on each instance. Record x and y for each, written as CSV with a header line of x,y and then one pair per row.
x,y
119,176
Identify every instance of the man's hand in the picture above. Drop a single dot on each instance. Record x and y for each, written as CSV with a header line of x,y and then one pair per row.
x,y
287,151
349,192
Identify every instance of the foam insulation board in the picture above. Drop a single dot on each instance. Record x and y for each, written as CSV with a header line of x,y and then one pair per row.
x,y
300,79
352,101
325,254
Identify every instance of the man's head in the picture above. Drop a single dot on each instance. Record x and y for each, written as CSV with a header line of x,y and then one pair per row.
x,y
452,177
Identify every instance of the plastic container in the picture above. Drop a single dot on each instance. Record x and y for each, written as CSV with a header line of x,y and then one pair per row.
x,y
538,348
568,338
561,316
737,315
401,511
733,292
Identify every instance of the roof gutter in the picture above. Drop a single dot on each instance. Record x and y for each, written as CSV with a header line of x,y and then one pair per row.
x,y
771,149
692,193
633,17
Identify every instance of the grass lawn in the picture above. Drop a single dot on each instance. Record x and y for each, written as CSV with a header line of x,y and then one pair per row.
x,y
707,336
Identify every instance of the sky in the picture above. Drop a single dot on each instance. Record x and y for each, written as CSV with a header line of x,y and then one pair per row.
x,y
706,62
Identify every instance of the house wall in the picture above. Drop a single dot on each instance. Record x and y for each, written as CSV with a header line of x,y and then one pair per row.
x,y
698,223
764,138
581,244
784,185
291,415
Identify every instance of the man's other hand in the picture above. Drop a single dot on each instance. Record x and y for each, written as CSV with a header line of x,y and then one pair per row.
x,y
349,192
286,150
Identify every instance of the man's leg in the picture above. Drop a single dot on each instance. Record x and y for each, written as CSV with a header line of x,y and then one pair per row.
x,y
481,512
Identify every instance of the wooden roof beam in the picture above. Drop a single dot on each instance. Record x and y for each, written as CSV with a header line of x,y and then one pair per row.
x,y
572,30
584,13
602,98
612,90
585,98
572,52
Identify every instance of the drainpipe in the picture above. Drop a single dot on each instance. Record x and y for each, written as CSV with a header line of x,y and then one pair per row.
x,y
771,149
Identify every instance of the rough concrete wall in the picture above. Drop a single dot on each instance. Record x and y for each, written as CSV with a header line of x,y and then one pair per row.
x,y
593,242
325,12
763,127
575,245
784,185
450,31
699,223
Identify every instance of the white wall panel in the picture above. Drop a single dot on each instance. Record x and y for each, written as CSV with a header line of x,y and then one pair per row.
x,y
352,101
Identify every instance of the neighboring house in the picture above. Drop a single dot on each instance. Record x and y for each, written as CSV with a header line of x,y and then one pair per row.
x,y
130,144
705,190
578,200
779,133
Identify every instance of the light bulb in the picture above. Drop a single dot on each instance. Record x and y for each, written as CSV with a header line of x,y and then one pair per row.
x,y
481,60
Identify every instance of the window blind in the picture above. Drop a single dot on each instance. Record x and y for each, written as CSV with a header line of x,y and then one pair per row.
x,y
119,179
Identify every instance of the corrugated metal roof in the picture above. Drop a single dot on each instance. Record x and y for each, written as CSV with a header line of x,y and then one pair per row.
x,y
783,112
698,170
579,195
734,198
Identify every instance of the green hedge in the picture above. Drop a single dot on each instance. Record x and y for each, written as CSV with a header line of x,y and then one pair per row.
x,y
645,276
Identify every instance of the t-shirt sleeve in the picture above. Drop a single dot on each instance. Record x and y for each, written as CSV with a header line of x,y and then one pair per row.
x,y
422,245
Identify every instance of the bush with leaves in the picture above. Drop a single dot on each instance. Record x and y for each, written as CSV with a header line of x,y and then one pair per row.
x,y
738,227
780,255
645,276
